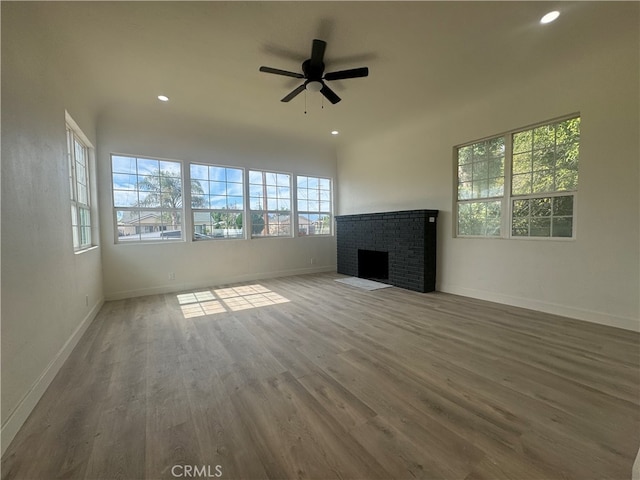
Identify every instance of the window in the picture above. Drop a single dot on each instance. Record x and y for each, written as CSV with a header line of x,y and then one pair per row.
x,y
217,202
78,160
534,195
543,217
270,204
314,206
481,187
147,199
544,179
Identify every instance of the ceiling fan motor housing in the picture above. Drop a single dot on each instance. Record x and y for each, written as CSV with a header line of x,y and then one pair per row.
x,y
312,72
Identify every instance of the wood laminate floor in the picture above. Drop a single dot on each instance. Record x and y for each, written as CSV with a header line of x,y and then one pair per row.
x,y
304,377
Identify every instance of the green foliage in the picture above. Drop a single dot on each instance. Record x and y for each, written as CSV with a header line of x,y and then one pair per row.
x,y
543,217
481,169
545,159
479,218
162,190
257,223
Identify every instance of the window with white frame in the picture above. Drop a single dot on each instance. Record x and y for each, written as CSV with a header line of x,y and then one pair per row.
x,y
314,205
545,179
270,204
217,202
147,199
78,161
533,191
481,188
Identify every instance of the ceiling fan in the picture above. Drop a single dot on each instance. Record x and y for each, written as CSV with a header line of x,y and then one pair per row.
x,y
313,73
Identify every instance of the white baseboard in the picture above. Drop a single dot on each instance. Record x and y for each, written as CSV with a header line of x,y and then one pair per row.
x,y
627,323
17,418
182,286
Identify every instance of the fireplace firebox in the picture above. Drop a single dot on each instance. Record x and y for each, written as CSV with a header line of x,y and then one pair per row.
x,y
373,265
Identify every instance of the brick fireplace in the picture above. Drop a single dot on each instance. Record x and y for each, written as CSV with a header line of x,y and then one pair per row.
x,y
398,248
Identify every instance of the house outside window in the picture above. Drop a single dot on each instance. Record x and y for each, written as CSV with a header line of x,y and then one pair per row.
x,y
147,199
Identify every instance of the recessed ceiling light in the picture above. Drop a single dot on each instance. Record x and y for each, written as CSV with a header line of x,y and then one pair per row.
x,y
163,98
335,132
550,17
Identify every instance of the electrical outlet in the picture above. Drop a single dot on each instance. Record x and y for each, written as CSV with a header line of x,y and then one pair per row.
x,y
86,300
172,276
313,261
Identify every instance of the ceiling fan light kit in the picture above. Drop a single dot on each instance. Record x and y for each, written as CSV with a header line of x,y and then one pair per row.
x,y
314,76
313,86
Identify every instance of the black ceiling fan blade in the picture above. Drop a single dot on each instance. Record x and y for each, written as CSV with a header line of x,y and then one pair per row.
x,y
330,94
293,93
277,71
343,74
317,52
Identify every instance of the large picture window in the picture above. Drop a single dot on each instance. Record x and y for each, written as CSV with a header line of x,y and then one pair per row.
x,y
526,180
147,199
78,162
314,205
270,204
217,202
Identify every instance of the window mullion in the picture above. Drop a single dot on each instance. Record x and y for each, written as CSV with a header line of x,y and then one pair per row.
x,y
187,219
506,198
294,218
246,208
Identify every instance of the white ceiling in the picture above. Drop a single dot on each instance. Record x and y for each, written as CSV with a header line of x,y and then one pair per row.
x,y
423,57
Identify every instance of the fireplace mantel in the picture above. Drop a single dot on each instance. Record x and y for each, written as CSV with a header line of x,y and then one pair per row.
x,y
409,238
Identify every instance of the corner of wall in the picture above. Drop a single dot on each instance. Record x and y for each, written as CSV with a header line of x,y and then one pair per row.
x,y
22,411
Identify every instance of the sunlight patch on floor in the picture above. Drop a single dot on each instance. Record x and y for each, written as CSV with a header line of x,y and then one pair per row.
x,y
221,300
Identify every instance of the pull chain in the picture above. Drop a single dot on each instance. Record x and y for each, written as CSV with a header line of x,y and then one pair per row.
x,y
305,102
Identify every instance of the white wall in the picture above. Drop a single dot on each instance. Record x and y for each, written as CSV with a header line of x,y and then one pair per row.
x,y
595,277
44,284
139,269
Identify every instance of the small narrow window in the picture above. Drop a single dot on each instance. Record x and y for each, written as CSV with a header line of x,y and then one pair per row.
x,y
78,151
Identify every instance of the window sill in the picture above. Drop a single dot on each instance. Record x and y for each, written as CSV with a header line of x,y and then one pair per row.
x,y
85,250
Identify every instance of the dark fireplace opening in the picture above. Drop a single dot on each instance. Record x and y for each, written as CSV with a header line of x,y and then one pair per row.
x,y
373,265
